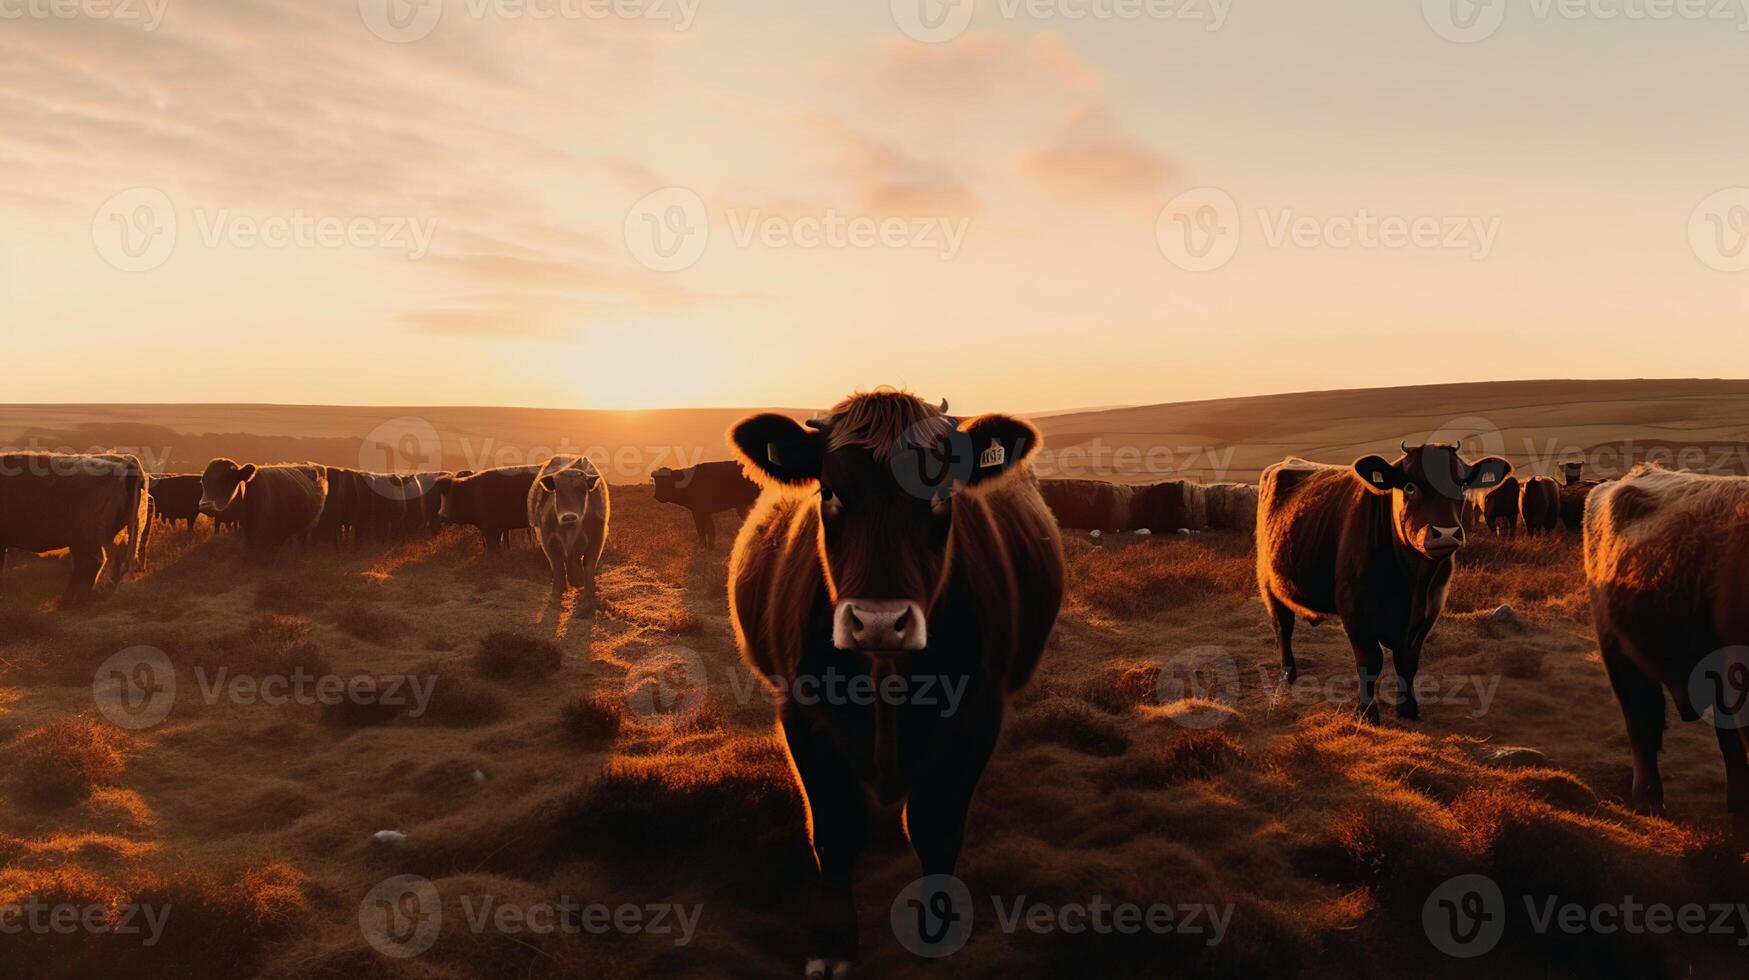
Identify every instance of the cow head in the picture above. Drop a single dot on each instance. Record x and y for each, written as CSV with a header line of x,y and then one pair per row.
x,y
223,484
570,490
1572,473
885,470
664,478
448,507
1426,487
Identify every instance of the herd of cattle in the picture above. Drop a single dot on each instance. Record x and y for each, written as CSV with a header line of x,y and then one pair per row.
x,y
843,561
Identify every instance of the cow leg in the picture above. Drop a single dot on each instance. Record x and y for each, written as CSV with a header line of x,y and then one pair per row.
x,y
1734,745
935,812
88,562
582,573
1642,707
1407,662
1283,618
1369,662
701,522
838,821
554,550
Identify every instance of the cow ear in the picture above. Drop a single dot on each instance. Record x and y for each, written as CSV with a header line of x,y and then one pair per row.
x,y
1377,474
777,449
549,483
997,443
1488,472
246,472
593,481
443,483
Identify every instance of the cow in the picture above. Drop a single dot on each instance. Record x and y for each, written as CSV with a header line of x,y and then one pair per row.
x,y
494,500
1572,472
1374,543
1089,505
273,504
1540,503
339,509
707,489
897,545
1667,568
176,497
1572,502
1500,507
1169,506
429,499
568,509
50,501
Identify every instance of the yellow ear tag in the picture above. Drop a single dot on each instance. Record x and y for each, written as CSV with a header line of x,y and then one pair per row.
x,y
995,455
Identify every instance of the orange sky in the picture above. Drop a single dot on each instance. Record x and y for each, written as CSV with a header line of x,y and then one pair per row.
x,y
315,202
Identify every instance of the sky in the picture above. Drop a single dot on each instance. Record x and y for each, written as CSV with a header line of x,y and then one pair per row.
x,y
1016,204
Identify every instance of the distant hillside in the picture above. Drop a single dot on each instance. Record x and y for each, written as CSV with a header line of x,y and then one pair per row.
x,y
1532,423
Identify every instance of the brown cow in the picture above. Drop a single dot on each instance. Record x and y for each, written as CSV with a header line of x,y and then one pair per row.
x,y
568,509
893,546
274,504
1500,507
1374,543
494,500
1540,503
50,501
176,497
339,509
707,489
1089,505
1667,562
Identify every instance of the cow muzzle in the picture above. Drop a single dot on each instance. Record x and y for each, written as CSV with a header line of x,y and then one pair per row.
x,y
879,625
570,519
1438,542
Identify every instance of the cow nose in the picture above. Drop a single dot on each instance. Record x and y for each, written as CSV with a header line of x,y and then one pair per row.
x,y
569,519
879,624
1445,538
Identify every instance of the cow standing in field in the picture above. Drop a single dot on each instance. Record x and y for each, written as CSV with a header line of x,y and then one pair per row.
x,y
1540,503
176,497
1089,505
1374,543
273,504
568,509
707,489
494,500
896,544
1667,564
1500,507
1573,491
50,501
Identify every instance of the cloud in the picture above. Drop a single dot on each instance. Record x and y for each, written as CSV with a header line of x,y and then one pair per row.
x,y
884,179
1086,169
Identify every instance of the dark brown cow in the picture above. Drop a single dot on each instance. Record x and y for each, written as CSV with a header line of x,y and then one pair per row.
x,y
1500,507
338,510
1572,498
568,509
1374,543
707,489
494,500
274,504
50,501
176,497
1540,503
1667,563
1572,472
893,546
1089,505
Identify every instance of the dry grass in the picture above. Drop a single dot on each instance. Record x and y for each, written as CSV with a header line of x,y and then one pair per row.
x,y
504,654
62,762
592,718
1131,577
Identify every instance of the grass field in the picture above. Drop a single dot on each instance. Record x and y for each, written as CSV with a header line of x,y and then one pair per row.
x,y
630,759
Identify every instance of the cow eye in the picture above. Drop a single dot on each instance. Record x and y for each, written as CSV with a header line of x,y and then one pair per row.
x,y
1410,489
830,503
